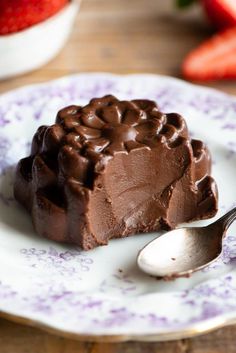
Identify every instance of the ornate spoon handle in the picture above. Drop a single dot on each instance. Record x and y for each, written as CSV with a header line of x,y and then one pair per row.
x,y
226,220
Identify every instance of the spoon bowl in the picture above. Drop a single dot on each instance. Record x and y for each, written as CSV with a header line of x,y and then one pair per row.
x,y
182,251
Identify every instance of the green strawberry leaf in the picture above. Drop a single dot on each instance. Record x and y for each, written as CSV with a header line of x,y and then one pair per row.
x,y
184,3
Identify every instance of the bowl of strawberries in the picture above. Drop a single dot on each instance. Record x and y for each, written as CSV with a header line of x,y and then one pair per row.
x,y
32,32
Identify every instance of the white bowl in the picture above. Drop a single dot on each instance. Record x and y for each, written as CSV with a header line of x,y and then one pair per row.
x,y
31,48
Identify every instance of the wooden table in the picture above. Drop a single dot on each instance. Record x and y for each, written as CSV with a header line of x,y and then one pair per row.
x,y
122,36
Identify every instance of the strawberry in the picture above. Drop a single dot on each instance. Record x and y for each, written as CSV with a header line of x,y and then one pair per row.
x,y
214,59
222,13
16,15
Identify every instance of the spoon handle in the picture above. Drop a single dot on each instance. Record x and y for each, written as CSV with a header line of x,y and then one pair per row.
x,y
227,219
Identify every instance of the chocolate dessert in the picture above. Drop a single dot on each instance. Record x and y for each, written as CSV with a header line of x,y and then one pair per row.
x,y
111,169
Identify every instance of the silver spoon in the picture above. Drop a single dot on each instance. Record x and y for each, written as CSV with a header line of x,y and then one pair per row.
x,y
182,251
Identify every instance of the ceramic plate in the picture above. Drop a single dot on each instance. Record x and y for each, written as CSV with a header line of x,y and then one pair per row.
x,y
101,294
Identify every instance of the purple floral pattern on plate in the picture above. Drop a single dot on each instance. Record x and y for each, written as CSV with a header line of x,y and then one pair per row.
x,y
101,291
66,263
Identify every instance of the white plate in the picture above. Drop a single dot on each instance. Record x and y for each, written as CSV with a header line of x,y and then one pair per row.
x,y
101,294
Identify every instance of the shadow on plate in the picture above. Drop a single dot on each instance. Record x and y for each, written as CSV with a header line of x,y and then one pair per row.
x,y
11,213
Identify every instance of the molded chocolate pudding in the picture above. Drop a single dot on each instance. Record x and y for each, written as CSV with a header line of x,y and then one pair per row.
x,y
114,168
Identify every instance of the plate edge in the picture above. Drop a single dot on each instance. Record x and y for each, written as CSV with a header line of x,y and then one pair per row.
x,y
194,331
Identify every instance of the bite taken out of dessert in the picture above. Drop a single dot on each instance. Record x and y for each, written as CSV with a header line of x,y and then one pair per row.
x,y
114,168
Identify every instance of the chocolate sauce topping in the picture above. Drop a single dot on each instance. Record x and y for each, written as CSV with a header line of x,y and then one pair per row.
x,y
113,168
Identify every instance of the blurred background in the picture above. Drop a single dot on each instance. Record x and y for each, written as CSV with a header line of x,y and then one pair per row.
x,y
120,36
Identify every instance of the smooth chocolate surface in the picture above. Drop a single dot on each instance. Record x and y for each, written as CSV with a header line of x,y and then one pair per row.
x,y
111,169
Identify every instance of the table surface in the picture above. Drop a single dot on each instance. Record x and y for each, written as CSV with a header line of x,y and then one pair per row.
x,y
121,36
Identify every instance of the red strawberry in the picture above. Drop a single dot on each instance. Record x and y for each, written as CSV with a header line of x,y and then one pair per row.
x,y
16,15
214,59
222,13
